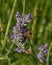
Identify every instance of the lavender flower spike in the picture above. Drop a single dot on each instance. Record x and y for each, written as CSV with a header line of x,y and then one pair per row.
x,y
18,36
42,53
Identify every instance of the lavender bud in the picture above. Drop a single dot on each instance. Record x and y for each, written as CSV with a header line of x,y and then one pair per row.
x,y
13,36
19,50
41,49
28,17
46,51
24,30
17,15
39,55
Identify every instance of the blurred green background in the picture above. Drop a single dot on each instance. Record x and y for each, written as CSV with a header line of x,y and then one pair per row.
x,y
41,26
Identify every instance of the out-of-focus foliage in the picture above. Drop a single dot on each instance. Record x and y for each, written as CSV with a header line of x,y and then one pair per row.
x,y
41,27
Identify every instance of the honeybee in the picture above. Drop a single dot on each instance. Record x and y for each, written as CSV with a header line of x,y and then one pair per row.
x,y
28,34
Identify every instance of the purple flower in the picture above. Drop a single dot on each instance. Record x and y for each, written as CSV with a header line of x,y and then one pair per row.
x,y
19,21
13,36
24,30
19,29
46,51
19,50
17,15
43,47
28,17
16,29
24,22
40,56
42,53
44,59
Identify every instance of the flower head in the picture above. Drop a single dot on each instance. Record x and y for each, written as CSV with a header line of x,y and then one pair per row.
x,y
42,53
19,29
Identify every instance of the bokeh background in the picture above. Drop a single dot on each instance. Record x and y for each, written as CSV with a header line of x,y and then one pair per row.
x,y
41,26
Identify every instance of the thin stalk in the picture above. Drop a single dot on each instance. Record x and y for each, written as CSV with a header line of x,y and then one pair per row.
x,y
6,56
46,7
43,17
23,1
9,22
13,43
9,50
34,22
8,61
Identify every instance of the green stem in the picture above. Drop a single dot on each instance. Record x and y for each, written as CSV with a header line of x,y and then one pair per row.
x,y
9,61
49,53
9,50
34,23
6,56
9,22
23,1
46,7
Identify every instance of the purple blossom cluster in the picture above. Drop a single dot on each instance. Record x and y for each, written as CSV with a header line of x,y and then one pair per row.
x,y
19,29
43,51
